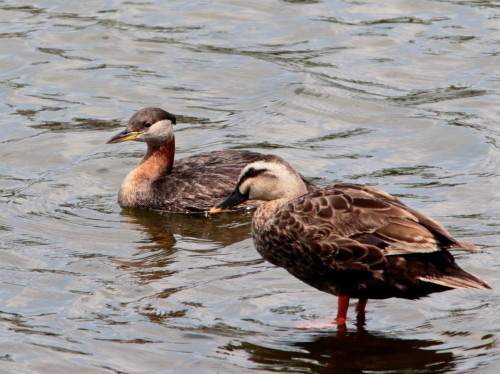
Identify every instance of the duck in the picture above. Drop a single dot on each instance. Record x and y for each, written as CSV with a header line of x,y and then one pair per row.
x,y
192,185
349,240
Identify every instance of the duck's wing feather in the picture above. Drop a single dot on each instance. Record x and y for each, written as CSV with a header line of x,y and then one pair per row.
x,y
423,219
440,234
369,217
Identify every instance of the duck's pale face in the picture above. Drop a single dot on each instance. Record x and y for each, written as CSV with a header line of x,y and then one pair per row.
x,y
270,181
262,187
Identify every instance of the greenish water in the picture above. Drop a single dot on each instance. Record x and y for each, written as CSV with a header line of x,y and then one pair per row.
x,y
402,95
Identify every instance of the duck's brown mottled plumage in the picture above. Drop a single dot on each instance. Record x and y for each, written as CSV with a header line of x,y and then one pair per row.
x,y
192,184
349,240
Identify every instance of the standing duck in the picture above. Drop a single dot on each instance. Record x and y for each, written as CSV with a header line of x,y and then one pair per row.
x,y
194,184
348,240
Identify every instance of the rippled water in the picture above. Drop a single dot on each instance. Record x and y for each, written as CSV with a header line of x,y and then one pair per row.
x,y
400,94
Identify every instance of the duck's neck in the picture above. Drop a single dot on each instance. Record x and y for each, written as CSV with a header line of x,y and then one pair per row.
x,y
290,191
158,160
264,214
157,163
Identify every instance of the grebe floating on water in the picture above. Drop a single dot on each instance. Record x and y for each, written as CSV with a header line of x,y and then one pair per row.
x,y
193,184
348,240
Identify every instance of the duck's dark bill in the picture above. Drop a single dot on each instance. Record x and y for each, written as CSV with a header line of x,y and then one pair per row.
x,y
123,137
234,199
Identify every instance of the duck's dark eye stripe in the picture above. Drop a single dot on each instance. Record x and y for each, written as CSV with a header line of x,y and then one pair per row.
x,y
254,172
147,125
251,173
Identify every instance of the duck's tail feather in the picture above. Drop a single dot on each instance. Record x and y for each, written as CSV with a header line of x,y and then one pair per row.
x,y
465,245
464,281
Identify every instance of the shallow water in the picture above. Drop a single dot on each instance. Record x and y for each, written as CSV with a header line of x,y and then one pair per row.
x,y
402,95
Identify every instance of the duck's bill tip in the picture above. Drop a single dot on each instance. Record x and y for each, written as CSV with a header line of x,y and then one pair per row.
x,y
232,200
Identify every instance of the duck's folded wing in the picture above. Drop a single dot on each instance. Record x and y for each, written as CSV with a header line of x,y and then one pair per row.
x,y
353,214
439,232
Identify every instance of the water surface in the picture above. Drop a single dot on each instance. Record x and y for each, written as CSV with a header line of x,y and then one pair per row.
x,y
401,95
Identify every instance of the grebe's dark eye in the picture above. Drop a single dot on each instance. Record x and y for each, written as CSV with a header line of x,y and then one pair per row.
x,y
147,125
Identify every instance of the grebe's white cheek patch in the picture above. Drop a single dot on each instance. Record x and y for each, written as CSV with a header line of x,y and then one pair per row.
x,y
160,132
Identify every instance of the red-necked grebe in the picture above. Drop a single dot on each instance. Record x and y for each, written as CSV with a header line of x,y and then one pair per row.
x,y
192,184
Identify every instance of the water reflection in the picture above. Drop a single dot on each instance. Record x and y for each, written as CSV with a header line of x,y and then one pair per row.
x,y
349,352
224,229
198,234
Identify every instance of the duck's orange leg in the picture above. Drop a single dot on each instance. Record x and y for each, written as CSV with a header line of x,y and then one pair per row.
x,y
339,321
343,305
360,310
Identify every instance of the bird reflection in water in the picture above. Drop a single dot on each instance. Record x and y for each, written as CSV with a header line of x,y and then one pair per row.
x,y
222,230
157,250
346,352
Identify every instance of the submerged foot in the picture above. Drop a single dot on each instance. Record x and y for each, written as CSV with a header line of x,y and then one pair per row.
x,y
360,312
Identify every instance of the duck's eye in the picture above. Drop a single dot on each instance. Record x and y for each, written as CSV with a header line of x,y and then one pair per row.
x,y
147,125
